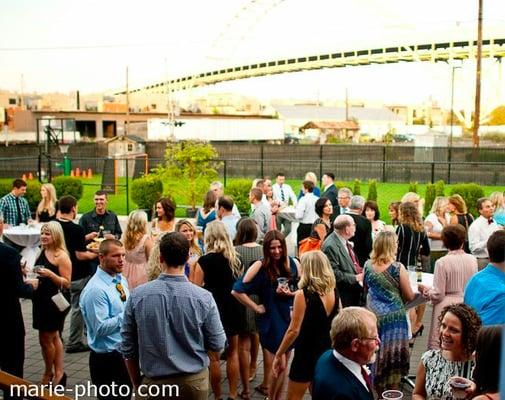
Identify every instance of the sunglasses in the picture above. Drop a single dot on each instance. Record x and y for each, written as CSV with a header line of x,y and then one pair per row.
x,y
121,291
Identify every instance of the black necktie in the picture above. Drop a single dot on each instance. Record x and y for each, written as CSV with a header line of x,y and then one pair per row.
x,y
282,194
19,218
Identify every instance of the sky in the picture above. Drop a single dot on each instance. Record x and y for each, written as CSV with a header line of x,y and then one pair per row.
x,y
56,45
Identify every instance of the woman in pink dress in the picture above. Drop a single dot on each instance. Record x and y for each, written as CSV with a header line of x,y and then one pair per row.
x,y
452,272
138,245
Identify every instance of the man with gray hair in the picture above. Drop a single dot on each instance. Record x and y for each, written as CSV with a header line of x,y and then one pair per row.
x,y
218,189
340,372
344,198
343,260
362,239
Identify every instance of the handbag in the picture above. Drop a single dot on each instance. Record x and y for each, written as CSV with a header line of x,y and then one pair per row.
x,y
309,244
60,301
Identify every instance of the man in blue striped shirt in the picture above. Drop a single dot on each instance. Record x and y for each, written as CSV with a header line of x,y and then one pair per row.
x,y
14,207
170,327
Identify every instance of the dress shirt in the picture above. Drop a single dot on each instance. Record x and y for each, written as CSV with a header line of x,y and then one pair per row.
x,y
485,292
478,234
352,366
265,202
287,191
234,211
102,310
230,223
261,215
169,325
9,210
91,222
305,210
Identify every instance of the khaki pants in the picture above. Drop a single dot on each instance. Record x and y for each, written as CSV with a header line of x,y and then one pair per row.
x,y
182,386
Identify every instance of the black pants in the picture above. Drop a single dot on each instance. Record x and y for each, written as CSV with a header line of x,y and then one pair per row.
x,y
303,232
12,358
106,368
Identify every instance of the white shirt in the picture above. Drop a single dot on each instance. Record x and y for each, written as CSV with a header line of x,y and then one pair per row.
x,y
478,234
265,201
436,227
305,210
234,211
288,194
352,366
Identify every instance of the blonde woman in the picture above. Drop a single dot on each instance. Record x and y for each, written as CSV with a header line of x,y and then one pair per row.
x,y
46,210
217,271
311,176
388,288
412,197
53,275
436,220
138,245
315,305
499,210
460,215
185,227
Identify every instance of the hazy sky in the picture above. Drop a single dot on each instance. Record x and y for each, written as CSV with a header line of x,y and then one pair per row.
x,y
85,45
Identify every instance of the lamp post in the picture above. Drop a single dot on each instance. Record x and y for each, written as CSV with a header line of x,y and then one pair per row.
x,y
449,155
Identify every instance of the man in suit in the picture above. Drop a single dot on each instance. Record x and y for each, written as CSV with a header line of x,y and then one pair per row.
x,y
362,239
340,373
12,287
344,198
348,273
330,192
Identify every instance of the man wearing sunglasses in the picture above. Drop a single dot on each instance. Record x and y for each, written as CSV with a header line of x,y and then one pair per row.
x,y
170,329
102,304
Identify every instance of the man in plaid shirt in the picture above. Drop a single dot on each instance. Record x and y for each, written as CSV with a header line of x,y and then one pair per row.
x,y
14,207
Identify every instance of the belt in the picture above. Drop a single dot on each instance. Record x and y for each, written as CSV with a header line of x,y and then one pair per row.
x,y
172,376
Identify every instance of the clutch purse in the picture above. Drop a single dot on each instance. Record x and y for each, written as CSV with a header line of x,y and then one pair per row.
x,y
60,301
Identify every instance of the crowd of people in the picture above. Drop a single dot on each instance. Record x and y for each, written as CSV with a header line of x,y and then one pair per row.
x,y
164,302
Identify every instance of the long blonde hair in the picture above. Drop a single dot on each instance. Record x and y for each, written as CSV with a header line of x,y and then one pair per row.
x,y
497,199
317,275
413,197
217,240
194,248
50,203
56,231
136,228
384,248
439,203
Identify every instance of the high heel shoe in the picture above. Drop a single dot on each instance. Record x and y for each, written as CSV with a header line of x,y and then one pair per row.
x,y
419,332
63,380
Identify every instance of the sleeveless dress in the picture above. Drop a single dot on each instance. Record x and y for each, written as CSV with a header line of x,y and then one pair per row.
x,y
311,342
272,325
385,301
135,265
46,316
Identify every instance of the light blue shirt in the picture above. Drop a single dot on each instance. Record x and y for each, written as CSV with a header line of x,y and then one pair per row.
x,y
485,293
102,310
230,223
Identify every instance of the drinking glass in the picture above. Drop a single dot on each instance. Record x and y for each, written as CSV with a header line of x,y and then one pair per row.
x,y
392,395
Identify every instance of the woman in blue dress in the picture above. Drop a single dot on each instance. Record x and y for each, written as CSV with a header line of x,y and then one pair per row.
x,y
276,300
388,287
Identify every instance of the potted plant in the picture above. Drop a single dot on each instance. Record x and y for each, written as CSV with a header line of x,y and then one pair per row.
x,y
194,163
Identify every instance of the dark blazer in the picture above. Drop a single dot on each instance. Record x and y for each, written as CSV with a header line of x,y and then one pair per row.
x,y
351,292
362,239
333,381
331,193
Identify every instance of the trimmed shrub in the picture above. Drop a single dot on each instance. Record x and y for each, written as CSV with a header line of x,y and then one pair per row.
x,y
413,187
429,197
5,187
68,186
339,185
146,191
239,189
372,190
357,187
440,188
470,192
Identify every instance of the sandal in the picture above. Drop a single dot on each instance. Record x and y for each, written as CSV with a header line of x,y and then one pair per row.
x,y
245,395
262,389
252,374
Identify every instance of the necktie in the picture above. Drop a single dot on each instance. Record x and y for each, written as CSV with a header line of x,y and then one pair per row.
x,y
355,262
18,208
282,194
367,379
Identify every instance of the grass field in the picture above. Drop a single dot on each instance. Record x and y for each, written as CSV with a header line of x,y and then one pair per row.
x,y
386,193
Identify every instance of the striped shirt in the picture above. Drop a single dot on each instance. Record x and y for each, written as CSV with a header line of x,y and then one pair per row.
x,y
169,324
9,210
410,244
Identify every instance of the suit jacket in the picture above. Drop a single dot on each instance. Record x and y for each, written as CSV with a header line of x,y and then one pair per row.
x,y
331,193
12,288
362,239
333,381
351,292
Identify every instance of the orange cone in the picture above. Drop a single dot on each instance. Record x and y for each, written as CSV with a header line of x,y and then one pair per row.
x,y
77,172
23,177
30,176
90,174
83,175
72,173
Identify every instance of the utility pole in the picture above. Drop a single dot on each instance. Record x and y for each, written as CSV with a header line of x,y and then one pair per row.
x,y
127,104
476,123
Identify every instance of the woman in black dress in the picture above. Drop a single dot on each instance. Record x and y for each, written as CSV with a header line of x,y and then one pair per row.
x,y
46,210
314,307
217,271
47,319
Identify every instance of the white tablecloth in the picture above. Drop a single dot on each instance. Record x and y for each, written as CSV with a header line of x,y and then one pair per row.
x,y
27,237
288,213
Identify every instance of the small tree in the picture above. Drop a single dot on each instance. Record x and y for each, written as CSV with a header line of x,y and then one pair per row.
x,y
372,190
440,188
357,187
413,187
192,161
429,196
